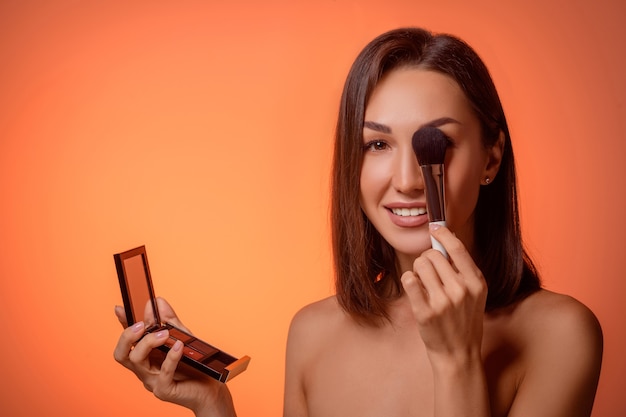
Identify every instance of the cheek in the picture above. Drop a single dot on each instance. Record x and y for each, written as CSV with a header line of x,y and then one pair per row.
x,y
372,181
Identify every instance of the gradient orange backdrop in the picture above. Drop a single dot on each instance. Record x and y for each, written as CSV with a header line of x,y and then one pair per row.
x,y
204,131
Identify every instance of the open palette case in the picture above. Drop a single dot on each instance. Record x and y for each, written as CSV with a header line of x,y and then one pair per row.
x,y
140,304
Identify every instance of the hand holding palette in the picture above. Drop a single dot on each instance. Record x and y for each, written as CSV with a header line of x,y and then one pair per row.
x,y
140,303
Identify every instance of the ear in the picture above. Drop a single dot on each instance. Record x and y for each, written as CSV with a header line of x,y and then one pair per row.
x,y
494,158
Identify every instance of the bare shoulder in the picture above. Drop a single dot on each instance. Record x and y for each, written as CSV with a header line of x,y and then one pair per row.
x,y
312,321
557,324
562,343
557,318
326,306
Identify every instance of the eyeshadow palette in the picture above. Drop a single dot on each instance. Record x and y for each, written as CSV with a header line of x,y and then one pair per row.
x,y
140,304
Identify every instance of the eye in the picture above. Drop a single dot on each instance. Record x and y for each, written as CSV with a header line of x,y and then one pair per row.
x,y
375,146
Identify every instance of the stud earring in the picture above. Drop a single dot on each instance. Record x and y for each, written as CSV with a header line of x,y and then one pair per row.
x,y
487,180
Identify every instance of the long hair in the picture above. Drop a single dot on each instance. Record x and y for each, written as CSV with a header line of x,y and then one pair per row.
x,y
366,274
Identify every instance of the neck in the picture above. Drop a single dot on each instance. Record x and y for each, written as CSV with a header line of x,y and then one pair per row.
x,y
401,313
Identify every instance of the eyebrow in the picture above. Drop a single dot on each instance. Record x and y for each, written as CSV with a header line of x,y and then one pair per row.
x,y
441,121
379,127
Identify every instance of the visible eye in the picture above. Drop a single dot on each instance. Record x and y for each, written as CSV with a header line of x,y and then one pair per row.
x,y
375,145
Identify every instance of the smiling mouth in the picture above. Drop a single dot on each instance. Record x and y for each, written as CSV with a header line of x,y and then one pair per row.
x,y
409,212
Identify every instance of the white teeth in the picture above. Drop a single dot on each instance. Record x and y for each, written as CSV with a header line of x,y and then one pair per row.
x,y
413,211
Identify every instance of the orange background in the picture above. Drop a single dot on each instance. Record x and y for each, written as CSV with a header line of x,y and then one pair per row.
x,y
204,131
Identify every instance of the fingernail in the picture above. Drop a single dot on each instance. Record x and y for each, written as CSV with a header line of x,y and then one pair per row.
x,y
137,327
177,346
161,335
434,226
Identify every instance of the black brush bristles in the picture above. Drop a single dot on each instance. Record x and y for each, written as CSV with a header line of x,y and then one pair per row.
x,y
429,145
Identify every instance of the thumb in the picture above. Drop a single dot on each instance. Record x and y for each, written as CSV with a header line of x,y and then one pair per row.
x,y
121,316
168,314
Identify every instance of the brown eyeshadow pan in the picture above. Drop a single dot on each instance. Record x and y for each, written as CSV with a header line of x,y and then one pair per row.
x,y
200,346
177,334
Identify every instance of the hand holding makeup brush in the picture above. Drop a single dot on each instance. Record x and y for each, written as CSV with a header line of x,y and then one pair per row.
x,y
448,300
447,297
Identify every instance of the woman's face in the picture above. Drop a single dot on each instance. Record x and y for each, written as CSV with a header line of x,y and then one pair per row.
x,y
392,190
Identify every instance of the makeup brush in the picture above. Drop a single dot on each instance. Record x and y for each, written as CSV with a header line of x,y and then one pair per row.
x,y
429,145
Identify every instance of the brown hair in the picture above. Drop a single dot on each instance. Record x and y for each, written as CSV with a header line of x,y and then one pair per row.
x,y
367,277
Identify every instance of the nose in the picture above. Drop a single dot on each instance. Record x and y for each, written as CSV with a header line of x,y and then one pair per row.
x,y
407,176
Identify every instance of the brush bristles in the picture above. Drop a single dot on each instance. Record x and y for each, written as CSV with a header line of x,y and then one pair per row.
x,y
429,145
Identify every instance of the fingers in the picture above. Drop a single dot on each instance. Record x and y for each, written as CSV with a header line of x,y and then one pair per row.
x,y
469,273
129,337
459,255
430,290
166,311
169,365
141,352
121,316
168,315
414,289
438,281
134,347
188,388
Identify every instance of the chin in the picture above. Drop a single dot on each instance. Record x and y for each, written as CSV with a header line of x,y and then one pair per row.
x,y
411,248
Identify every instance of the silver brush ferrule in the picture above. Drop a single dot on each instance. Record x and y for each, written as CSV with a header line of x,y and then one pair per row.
x,y
435,200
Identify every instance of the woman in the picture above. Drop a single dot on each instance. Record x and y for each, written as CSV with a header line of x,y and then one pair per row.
x,y
409,332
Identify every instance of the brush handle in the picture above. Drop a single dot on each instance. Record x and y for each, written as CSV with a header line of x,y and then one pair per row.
x,y
436,244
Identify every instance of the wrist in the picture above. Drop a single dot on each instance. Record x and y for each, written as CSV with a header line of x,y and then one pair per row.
x,y
455,364
460,385
220,404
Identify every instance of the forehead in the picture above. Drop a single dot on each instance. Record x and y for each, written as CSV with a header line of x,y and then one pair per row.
x,y
413,95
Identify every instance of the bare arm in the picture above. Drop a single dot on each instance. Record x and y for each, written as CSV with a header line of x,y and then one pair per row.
x,y
295,399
